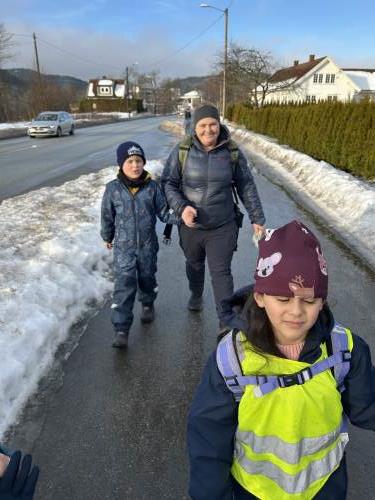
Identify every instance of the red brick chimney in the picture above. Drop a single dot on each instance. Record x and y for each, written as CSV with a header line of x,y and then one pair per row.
x,y
311,57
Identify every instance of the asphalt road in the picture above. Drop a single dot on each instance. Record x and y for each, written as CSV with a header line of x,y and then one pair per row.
x,y
31,163
109,425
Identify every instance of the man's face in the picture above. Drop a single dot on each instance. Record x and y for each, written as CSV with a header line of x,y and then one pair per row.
x,y
208,130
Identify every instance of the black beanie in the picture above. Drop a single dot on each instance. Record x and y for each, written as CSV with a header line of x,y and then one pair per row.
x,y
127,149
205,111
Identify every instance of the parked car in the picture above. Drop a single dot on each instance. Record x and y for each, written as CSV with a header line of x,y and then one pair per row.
x,y
51,123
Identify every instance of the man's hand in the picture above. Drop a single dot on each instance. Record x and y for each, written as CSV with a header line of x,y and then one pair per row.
x,y
109,245
188,216
19,480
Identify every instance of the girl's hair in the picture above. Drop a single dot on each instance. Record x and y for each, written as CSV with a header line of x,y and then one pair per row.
x,y
259,330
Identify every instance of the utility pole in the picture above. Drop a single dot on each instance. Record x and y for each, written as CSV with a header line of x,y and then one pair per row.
x,y
36,58
225,12
127,90
225,63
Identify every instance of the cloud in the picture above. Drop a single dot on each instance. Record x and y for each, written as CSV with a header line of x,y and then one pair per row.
x,y
87,54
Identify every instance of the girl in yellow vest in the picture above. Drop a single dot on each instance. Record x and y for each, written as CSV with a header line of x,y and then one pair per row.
x,y
269,418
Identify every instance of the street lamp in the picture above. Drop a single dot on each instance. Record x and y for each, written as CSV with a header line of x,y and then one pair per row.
x,y
225,11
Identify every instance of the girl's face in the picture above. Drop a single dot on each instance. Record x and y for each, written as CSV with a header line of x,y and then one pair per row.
x,y
133,167
291,317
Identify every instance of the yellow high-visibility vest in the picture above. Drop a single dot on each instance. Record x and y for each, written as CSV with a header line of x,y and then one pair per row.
x,y
289,441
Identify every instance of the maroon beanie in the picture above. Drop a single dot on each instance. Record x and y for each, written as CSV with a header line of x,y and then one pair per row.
x,y
291,263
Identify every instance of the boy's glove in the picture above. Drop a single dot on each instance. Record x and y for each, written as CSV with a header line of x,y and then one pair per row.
x,y
18,483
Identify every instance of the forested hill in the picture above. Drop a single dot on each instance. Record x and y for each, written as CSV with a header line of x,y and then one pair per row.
x,y
21,78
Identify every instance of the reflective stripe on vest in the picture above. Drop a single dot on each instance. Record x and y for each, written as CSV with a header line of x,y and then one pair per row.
x,y
299,482
289,452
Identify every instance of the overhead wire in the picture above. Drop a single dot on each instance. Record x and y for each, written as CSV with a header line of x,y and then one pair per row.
x,y
152,65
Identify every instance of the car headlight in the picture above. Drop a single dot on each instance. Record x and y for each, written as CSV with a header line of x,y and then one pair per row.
x,y
52,126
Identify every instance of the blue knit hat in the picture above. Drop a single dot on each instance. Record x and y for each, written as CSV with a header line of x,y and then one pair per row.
x,y
127,149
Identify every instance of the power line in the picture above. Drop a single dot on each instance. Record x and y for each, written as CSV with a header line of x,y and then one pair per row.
x,y
170,56
187,44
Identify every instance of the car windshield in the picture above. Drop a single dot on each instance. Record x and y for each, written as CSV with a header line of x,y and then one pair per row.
x,y
47,117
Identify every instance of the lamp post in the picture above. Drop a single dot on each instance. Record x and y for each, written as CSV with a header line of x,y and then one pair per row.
x,y
225,12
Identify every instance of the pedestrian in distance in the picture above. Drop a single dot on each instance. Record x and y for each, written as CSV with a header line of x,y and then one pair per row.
x,y
187,121
130,205
17,478
269,418
200,178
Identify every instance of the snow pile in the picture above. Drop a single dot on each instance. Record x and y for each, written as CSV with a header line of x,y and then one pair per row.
x,y
53,265
346,203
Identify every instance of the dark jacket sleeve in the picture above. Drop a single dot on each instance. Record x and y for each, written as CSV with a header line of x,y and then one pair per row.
x,y
212,424
172,185
247,190
107,231
161,207
359,396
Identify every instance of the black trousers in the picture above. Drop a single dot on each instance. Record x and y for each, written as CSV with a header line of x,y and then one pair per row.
x,y
218,245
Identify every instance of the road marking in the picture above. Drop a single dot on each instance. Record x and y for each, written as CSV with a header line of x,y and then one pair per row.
x,y
19,149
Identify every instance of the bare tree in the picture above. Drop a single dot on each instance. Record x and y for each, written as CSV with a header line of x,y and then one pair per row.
x,y
6,45
250,73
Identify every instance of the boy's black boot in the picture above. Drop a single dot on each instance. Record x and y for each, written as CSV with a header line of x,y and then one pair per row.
x,y
195,303
121,340
148,313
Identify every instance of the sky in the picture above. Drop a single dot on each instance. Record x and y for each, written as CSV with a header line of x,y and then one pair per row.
x,y
55,264
178,38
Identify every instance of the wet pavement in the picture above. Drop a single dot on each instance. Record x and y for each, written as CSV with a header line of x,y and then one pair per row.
x,y
111,425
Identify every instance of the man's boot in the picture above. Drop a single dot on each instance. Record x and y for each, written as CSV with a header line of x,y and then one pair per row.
x,y
121,340
195,303
148,313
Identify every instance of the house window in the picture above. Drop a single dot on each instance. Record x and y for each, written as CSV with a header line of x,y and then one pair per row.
x,y
105,90
329,98
313,98
332,78
308,98
328,78
320,79
315,77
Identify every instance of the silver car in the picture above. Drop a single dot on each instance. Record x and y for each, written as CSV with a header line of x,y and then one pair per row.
x,y
50,123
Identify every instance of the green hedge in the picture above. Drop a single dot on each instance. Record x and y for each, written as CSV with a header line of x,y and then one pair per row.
x,y
110,105
342,134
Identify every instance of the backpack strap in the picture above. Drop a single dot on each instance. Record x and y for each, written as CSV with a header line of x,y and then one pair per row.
x,y
229,354
229,365
183,150
340,343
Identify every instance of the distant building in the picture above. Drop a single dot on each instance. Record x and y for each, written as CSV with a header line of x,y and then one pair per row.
x,y
319,80
106,88
190,100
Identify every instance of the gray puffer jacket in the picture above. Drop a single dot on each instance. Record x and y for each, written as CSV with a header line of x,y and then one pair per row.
x,y
206,184
129,220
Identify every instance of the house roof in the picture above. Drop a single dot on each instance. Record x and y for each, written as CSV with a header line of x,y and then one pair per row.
x,y
295,72
364,79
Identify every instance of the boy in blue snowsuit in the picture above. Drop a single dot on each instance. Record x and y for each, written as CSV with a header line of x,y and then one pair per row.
x,y
130,205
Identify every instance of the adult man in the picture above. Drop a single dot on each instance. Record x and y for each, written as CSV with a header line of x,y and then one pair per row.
x,y
200,191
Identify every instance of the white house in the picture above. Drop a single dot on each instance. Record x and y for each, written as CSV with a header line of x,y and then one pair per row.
x,y
190,100
106,88
319,80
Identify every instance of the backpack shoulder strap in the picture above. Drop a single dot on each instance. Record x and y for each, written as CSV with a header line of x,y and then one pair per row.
x,y
234,153
229,364
342,342
183,150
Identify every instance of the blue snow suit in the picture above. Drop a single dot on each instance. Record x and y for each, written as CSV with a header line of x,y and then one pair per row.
x,y
128,220
213,419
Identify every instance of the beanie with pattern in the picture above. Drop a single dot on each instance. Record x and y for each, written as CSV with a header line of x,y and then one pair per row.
x,y
291,263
